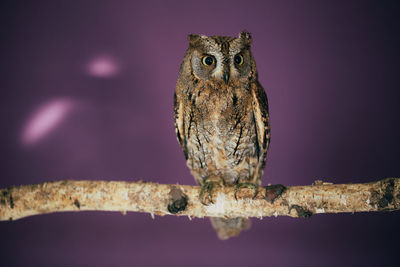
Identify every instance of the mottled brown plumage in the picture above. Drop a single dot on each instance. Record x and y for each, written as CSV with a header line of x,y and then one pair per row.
x,y
221,117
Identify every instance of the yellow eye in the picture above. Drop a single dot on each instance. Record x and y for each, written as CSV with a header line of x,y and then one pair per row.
x,y
208,60
238,59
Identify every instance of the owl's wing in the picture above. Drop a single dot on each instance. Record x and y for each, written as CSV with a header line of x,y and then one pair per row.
x,y
179,123
261,117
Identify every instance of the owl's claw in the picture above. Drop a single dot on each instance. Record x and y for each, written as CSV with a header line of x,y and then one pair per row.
x,y
249,185
206,193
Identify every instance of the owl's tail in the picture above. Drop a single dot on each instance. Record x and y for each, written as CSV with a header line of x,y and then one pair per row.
x,y
227,228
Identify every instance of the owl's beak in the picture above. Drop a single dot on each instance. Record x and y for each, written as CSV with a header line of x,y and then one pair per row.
x,y
225,77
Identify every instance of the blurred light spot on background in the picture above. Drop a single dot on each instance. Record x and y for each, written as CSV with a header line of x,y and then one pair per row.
x,y
103,66
45,119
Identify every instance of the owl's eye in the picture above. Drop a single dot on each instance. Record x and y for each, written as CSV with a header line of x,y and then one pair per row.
x,y
208,60
238,59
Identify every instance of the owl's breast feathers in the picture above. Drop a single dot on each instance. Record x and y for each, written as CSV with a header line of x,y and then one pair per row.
x,y
223,130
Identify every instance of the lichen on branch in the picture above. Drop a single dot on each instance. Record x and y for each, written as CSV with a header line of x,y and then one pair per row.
x,y
167,199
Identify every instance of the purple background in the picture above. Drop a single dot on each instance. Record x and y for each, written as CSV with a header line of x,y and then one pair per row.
x,y
331,73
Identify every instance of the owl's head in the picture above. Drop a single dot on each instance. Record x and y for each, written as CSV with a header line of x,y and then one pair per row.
x,y
221,58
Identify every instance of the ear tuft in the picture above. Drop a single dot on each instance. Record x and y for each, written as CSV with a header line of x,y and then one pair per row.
x,y
245,36
193,38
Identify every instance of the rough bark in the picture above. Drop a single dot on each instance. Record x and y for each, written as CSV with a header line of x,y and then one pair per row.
x,y
161,199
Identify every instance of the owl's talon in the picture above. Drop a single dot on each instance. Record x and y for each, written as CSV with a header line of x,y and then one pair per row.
x,y
207,188
249,185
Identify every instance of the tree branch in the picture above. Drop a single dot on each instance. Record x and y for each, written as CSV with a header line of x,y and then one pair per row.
x,y
161,199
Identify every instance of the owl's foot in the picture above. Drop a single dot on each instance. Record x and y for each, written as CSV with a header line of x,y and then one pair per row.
x,y
248,185
206,192
272,192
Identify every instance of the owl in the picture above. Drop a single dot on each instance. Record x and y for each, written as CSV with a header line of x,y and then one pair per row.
x,y
221,119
